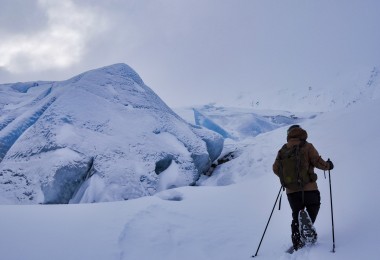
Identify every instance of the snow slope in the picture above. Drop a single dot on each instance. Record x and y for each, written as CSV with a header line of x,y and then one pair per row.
x,y
221,222
350,86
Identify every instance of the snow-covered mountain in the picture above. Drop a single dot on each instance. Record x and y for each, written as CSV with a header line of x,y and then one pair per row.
x,y
100,136
351,86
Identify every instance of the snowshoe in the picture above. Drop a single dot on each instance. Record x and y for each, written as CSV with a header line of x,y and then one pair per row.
x,y
290,250
308,234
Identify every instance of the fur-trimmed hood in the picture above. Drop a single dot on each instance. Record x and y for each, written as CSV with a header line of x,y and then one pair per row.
x,y
297,133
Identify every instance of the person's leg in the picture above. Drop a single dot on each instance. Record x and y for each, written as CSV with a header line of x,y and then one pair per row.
x,y
295,202
312,203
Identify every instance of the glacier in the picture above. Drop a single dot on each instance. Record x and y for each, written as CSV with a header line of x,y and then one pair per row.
x,y
100,136
239,123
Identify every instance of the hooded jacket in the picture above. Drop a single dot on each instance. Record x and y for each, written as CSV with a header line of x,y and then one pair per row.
x,y
311,157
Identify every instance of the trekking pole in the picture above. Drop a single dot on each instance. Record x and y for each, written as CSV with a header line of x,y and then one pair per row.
x,y
268,222
332,212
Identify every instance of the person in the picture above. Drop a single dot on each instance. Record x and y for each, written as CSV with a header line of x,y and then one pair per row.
x,y
306,195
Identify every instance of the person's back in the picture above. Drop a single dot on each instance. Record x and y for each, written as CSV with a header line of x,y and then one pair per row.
x,y
305,193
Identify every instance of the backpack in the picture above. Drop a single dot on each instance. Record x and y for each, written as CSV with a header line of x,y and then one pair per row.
x,y
293,170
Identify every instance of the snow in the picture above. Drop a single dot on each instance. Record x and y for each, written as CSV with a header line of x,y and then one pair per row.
x,y
224,216
238,123
111,126
351,85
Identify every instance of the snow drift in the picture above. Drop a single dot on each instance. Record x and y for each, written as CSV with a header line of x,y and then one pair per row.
x,y
100,136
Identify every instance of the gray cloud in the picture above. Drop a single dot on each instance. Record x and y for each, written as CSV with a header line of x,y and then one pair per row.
x,y
20,17
59,44
4,75
193,52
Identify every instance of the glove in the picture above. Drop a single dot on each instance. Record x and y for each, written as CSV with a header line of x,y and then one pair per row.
x,y
331,165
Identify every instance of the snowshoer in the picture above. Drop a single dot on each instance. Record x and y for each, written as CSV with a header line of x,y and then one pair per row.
x,y
294,165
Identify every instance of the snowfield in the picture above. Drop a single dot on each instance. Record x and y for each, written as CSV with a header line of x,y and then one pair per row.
x,y
223,216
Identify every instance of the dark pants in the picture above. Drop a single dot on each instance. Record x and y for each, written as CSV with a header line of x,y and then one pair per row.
x,y
312,202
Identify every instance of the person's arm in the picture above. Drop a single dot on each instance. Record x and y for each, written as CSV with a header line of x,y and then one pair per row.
x,y
316,160
276,165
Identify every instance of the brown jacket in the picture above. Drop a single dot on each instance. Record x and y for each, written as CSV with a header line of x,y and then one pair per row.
x,y
295,137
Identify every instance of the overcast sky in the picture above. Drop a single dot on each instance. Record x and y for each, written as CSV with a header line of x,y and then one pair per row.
x,y
190,52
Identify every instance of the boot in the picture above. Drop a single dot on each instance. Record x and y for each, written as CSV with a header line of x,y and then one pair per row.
x,y
296,237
